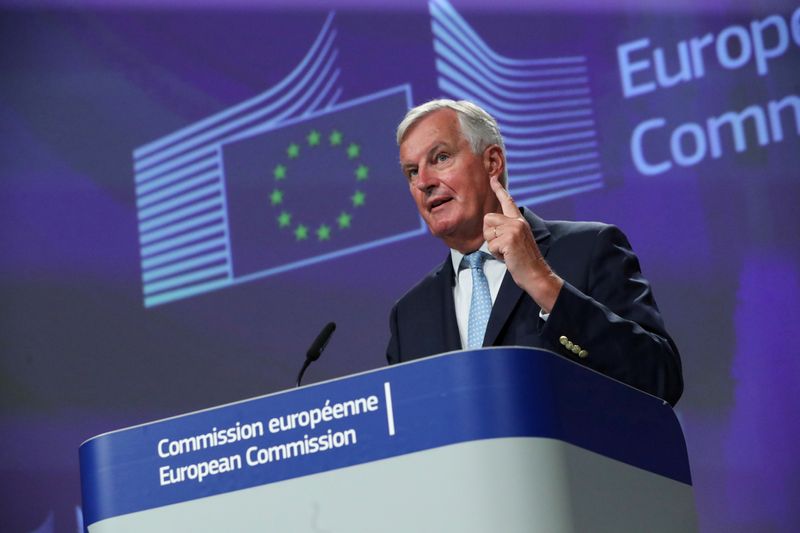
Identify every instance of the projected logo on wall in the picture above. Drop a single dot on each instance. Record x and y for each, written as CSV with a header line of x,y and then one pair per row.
x,y
285,179
543,107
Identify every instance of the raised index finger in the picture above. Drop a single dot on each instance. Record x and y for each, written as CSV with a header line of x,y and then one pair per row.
x,y
510,209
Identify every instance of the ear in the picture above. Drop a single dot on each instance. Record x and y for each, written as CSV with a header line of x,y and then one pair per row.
x,y
494,161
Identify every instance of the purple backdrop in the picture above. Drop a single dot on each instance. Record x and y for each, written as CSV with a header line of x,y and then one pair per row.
x,y
680,125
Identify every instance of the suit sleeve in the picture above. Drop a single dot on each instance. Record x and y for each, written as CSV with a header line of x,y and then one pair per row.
x,y
616,322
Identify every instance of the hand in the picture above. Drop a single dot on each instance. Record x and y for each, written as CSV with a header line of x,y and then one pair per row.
x,y
511,240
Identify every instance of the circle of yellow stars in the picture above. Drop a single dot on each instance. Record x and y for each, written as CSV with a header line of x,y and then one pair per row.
x,y
324,231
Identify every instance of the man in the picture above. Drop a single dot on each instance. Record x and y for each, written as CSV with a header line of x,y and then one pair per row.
x,y
511,278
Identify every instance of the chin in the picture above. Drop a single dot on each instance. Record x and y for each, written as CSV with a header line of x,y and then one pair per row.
x,y
441,228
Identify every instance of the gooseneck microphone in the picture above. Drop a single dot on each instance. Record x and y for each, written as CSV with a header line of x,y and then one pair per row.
x,y
315,350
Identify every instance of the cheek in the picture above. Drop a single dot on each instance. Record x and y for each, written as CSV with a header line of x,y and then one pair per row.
x,y
417,196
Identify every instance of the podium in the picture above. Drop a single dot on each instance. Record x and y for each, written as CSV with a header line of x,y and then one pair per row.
x,y
488,440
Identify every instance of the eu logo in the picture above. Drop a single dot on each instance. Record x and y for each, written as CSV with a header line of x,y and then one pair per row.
x,y
317,187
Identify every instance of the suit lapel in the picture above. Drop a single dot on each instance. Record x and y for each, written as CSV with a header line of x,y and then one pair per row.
x,y
447,307
510,293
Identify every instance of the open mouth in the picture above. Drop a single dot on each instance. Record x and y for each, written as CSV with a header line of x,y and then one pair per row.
x,y
438,202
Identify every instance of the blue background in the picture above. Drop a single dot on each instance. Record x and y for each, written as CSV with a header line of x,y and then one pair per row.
x,y
84,84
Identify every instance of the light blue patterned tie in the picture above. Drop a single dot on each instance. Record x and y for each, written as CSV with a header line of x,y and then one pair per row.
x,y
480,306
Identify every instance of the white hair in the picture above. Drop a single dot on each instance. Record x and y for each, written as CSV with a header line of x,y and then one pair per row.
x,y
478,127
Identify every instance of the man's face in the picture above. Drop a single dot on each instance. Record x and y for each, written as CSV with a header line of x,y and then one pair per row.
x,y
448,182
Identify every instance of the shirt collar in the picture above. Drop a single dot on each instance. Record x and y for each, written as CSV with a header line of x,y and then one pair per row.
x,y
456,257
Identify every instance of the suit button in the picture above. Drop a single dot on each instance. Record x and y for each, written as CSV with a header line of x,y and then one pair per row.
x,y
583,354
576,349
563,340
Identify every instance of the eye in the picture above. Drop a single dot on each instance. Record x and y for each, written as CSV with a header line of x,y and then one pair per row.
x,y
441,157
411,173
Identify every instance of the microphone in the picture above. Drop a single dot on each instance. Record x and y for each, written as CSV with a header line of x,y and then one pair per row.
x,y
315,350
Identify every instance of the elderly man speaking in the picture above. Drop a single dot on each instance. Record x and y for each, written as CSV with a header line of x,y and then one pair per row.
x,y
511,278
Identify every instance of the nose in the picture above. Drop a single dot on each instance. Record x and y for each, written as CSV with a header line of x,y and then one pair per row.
x,y
425,180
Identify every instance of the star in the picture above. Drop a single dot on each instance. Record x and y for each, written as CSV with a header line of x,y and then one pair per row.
x,y
353,150
284,219
362,172
324,232
358,198
344,220
301,233
279,172
293,151
335,138
313,138
276,197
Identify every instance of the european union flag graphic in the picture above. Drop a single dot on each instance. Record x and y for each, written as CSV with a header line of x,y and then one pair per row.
x,y
287,178
235,198
316,188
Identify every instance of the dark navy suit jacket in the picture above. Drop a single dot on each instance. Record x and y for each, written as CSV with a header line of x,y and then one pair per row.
x,y
606,307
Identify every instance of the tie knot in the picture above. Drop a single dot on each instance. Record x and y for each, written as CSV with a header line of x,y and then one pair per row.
x,y
476,259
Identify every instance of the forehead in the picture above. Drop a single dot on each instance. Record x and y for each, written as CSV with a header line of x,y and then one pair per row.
x,y
439,127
